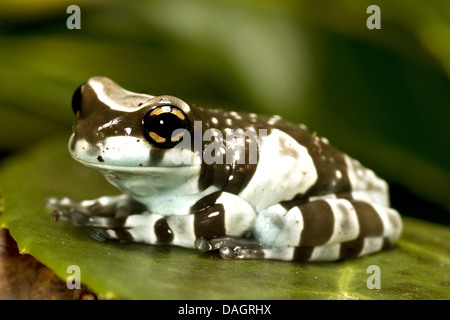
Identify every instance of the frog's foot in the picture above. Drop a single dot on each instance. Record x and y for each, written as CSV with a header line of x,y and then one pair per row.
x,y
232,247
102,228
118,234
116,206
238,252
80,218
217,243
257,253
107,216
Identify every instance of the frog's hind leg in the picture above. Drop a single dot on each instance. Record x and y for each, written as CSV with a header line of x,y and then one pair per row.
x,y
323,230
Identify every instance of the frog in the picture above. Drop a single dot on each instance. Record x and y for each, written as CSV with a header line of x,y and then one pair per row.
x,y
281,193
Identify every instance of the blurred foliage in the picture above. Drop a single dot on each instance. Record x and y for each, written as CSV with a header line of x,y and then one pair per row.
x,y
380,95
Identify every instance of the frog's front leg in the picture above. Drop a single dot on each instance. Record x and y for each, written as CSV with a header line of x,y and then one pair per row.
x,y
106,211
220,214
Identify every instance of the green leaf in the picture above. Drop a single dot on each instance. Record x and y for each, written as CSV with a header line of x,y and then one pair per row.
x,y
416,269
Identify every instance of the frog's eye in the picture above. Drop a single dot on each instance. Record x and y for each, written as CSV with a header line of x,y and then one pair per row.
x,y
160,122
76,101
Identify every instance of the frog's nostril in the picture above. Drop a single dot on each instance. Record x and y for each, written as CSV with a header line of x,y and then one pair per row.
x,y
76,101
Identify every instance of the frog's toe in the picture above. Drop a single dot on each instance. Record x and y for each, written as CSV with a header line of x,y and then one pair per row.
x,y
120,235
52,202
238,252
80,218
65,204
232,247
203,245
60,214
99,235
216,243
76,217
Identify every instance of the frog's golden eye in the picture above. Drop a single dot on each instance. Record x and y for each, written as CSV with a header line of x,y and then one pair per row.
x,y
160,123
76,101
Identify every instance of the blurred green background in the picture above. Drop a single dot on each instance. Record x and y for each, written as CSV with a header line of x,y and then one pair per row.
x,y
382,96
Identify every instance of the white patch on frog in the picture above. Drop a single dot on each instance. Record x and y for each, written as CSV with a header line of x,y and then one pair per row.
x,y
322,197
183,230
325,141
285,254
128,151
273,120
160,190
115,96
284,170
392,222
240,216
277,227
120,151
108,124
235,115
373,189
125,151
80,149
346,224
371,244
330,252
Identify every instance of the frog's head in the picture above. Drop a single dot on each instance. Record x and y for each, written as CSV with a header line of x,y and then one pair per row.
x,y
125,131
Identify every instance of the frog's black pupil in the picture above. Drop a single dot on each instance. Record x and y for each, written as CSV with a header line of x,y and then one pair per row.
x,y
76,101
165,124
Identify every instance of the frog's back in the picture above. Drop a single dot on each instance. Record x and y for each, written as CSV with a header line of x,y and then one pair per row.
x,y
290,164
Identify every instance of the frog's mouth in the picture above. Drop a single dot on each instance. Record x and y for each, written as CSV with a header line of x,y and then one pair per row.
x,y
158,171
128,154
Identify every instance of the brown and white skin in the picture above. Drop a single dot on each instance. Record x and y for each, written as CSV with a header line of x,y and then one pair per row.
x,y
253,187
